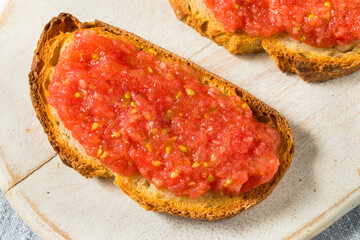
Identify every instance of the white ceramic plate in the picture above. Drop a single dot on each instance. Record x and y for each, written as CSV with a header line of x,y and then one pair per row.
x,y
322,184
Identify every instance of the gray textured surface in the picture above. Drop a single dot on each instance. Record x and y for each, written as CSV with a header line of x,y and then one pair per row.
x,y
11,225
13,228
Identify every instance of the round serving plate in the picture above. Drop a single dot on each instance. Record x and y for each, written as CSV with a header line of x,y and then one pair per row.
x,y
322,184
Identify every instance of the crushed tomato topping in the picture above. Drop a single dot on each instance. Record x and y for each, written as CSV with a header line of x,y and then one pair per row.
x,y
138,114
323,23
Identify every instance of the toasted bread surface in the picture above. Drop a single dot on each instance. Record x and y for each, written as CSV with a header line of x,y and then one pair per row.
x,y
312,64
56,35
198,16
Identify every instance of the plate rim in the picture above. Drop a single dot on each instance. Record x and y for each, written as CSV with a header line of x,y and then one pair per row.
x,y
34,219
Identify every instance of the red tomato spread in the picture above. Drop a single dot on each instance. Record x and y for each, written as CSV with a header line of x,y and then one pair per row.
x,y
138,114
324,23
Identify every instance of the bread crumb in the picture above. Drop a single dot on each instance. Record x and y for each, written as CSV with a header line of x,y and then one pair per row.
x,y
314,189
335,160
300,179
358,171
48,192
28,130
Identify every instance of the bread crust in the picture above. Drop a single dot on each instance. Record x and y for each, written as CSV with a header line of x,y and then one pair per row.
x,y
313,66
212,206
197,16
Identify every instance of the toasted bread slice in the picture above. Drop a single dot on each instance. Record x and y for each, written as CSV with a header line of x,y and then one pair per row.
x,y
312,64
56,35
198,16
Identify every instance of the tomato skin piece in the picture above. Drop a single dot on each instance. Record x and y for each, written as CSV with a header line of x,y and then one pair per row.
x,y
137,114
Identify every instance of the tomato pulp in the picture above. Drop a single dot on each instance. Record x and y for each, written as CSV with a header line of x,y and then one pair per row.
x,y
138,114
323,23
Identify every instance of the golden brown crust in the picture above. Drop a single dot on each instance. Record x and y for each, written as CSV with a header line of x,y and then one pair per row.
x,y
194,13
313,67
39,79
212,206
312,64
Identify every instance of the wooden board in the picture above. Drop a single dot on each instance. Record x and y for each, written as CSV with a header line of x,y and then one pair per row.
x,y
322,184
